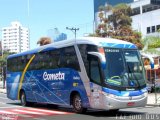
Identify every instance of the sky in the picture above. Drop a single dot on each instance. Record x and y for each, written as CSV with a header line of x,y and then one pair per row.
x,y
41,15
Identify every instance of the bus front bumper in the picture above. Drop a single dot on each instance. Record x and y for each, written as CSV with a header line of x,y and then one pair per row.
x,y
118,102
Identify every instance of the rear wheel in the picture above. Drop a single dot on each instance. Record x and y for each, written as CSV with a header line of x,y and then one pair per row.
x,y
23,99
77,104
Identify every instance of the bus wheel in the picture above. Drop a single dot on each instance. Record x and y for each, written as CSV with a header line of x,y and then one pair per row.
x,y
23,99
77,104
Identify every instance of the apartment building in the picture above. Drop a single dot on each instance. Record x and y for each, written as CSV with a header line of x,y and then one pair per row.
x,y
15,38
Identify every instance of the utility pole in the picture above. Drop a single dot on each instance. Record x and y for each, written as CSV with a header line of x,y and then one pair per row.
x,y
74,30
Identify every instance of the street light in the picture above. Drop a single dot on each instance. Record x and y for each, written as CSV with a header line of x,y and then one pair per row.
x,y
74,30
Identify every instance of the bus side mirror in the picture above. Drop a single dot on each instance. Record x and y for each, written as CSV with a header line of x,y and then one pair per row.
x,y
101,57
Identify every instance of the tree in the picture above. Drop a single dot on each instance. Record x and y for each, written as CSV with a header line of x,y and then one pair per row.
x,y
103,26
3,59
44,41
118,24
3,62
151,43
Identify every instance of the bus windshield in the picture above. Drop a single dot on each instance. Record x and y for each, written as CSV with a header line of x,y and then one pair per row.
x,y
124,69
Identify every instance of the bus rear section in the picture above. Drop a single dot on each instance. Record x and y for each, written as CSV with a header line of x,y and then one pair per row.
x,y
50,76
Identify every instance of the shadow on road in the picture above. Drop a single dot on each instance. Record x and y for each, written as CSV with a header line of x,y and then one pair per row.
x,y
113,114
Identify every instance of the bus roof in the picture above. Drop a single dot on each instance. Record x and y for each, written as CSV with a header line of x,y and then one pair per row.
x,y
103,42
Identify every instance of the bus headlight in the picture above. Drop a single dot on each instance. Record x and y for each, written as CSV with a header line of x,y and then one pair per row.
x,y
109,95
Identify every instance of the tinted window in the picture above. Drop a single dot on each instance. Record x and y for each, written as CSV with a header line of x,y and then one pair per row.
x,y
59,58
68,58
94,70
84,49
17,64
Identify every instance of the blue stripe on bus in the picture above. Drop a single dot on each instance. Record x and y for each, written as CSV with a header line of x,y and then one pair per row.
x,y
114,45
124,93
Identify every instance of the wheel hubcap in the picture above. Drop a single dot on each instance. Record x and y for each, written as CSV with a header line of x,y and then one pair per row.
x,y
78,103
23,99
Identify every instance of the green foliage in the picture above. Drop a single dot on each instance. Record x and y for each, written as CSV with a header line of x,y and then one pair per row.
x,y
118,24
3,59
121,16
93,35
152,42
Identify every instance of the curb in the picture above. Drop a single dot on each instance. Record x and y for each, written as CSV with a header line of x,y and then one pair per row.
x,y
155,105
3,91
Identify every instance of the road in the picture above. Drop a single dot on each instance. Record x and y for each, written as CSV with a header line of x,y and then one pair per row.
x,y
12,109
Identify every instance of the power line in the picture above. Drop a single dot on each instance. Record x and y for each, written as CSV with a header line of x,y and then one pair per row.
x,y
74,30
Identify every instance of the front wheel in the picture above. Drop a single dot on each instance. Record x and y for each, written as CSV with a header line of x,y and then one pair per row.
x,y
77,104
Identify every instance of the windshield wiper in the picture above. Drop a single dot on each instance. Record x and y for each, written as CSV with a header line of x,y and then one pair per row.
x,y
132,76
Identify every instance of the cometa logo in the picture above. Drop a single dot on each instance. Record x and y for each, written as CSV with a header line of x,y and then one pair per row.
x,y
53,76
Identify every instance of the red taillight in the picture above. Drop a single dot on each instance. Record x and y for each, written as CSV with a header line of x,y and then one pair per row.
x,y
130,104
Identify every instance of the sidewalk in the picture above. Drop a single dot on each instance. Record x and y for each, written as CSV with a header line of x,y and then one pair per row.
x,y
152,99
2,90
1,87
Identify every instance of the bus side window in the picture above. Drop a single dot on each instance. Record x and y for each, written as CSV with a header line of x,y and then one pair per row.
x,y
54,58
69,58
94,69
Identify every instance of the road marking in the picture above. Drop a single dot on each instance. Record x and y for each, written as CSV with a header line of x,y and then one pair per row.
x,y
31,112
28,112
6,112
48,111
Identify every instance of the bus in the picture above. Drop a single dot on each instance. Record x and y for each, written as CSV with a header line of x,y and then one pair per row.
x,y
86,73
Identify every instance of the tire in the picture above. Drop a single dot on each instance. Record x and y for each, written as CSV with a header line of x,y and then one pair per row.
x,y
23,99
77,104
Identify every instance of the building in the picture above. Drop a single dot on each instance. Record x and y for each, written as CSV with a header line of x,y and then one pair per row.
x,y
61,36
15,38
98,3
145,16
55,35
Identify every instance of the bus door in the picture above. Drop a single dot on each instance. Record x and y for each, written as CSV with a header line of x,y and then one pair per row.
x,y
95,82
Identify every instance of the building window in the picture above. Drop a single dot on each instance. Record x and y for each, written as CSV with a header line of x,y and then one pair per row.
x,y
135,11
148,30
153,29
157,27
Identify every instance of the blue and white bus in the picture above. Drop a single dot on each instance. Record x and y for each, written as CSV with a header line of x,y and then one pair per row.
x,y
89,72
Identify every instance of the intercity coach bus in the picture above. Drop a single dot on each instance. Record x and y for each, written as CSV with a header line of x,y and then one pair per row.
x,y
89,72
